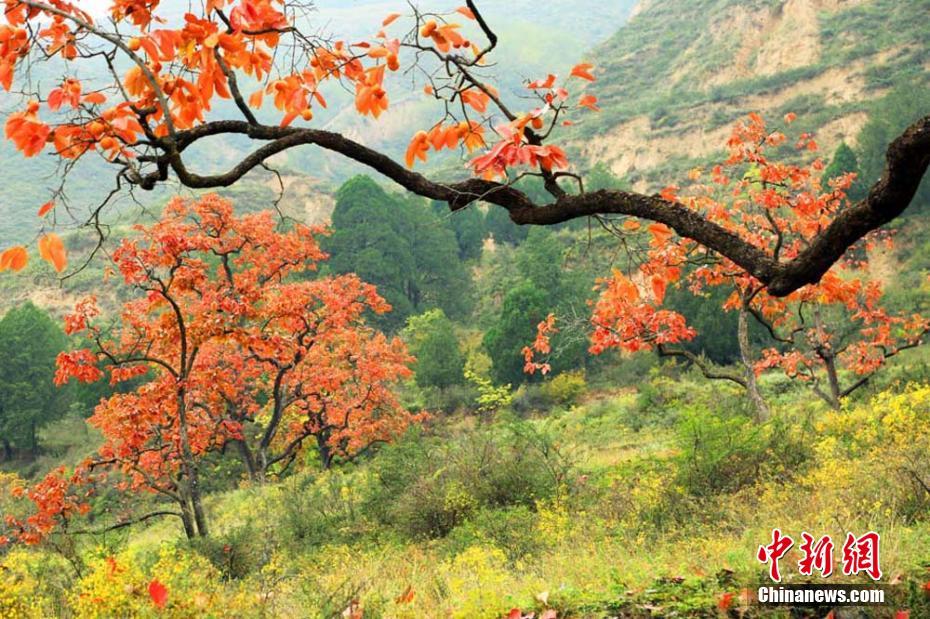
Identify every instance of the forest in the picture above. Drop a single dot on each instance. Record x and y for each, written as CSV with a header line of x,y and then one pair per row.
x,y
400,311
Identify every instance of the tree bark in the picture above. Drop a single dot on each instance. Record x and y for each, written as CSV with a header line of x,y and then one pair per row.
x,y
325,451
189,467
745,353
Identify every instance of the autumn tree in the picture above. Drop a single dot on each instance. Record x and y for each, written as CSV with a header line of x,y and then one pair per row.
x,y
235,348
780,207
145,120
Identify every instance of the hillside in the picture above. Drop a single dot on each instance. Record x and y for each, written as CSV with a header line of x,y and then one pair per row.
x,y
674,79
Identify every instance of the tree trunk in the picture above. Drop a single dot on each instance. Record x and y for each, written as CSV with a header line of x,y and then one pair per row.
x,y
745,353
824,350
249,459
834,380
189,467
187,520
7,450
326,452
33,440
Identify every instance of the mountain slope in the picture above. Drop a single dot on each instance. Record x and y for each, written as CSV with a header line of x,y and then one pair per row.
x,y
674,78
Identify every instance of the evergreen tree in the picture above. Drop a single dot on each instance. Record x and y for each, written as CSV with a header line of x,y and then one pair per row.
x,y
524,307
469,227
29,343
498,224
844,161
402,247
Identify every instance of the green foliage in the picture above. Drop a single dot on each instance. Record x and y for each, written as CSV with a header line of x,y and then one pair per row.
x,y
469,227
490,398
498,223
844,161
512,529
431,339
723,452
716,328
543,285
426,488
566,388
402,247
539,261
524,307
29,399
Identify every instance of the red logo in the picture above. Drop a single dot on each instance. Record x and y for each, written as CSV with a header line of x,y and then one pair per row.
x,y
860,555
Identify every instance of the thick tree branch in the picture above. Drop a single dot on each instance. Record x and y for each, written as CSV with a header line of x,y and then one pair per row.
x,y
907,161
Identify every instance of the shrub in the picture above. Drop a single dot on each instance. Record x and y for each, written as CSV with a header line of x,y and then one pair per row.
x,y
426,488
566,388
477,580
512,529
875,458
723,453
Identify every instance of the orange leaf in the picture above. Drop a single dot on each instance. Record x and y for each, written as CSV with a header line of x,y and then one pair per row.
x,y
725,601
590,102
95,98
660,232
14,258
52,250
583,71
158,592
390,19
670,193
467,12
256,99
48,206
658,289
406,597
418,148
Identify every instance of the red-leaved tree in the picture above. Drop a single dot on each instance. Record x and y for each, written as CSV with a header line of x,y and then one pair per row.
x,y
233,345
821,332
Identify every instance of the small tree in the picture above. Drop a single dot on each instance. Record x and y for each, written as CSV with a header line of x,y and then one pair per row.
x,y
29,343
431,338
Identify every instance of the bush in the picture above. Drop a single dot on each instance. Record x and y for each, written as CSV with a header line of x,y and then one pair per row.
x,y
566,389
512,529
723,453
319,509
237,553
875,458
426,488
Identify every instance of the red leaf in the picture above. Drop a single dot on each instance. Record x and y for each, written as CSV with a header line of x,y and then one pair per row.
x,y
590,102
725,601
46,208
158,592
583,71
